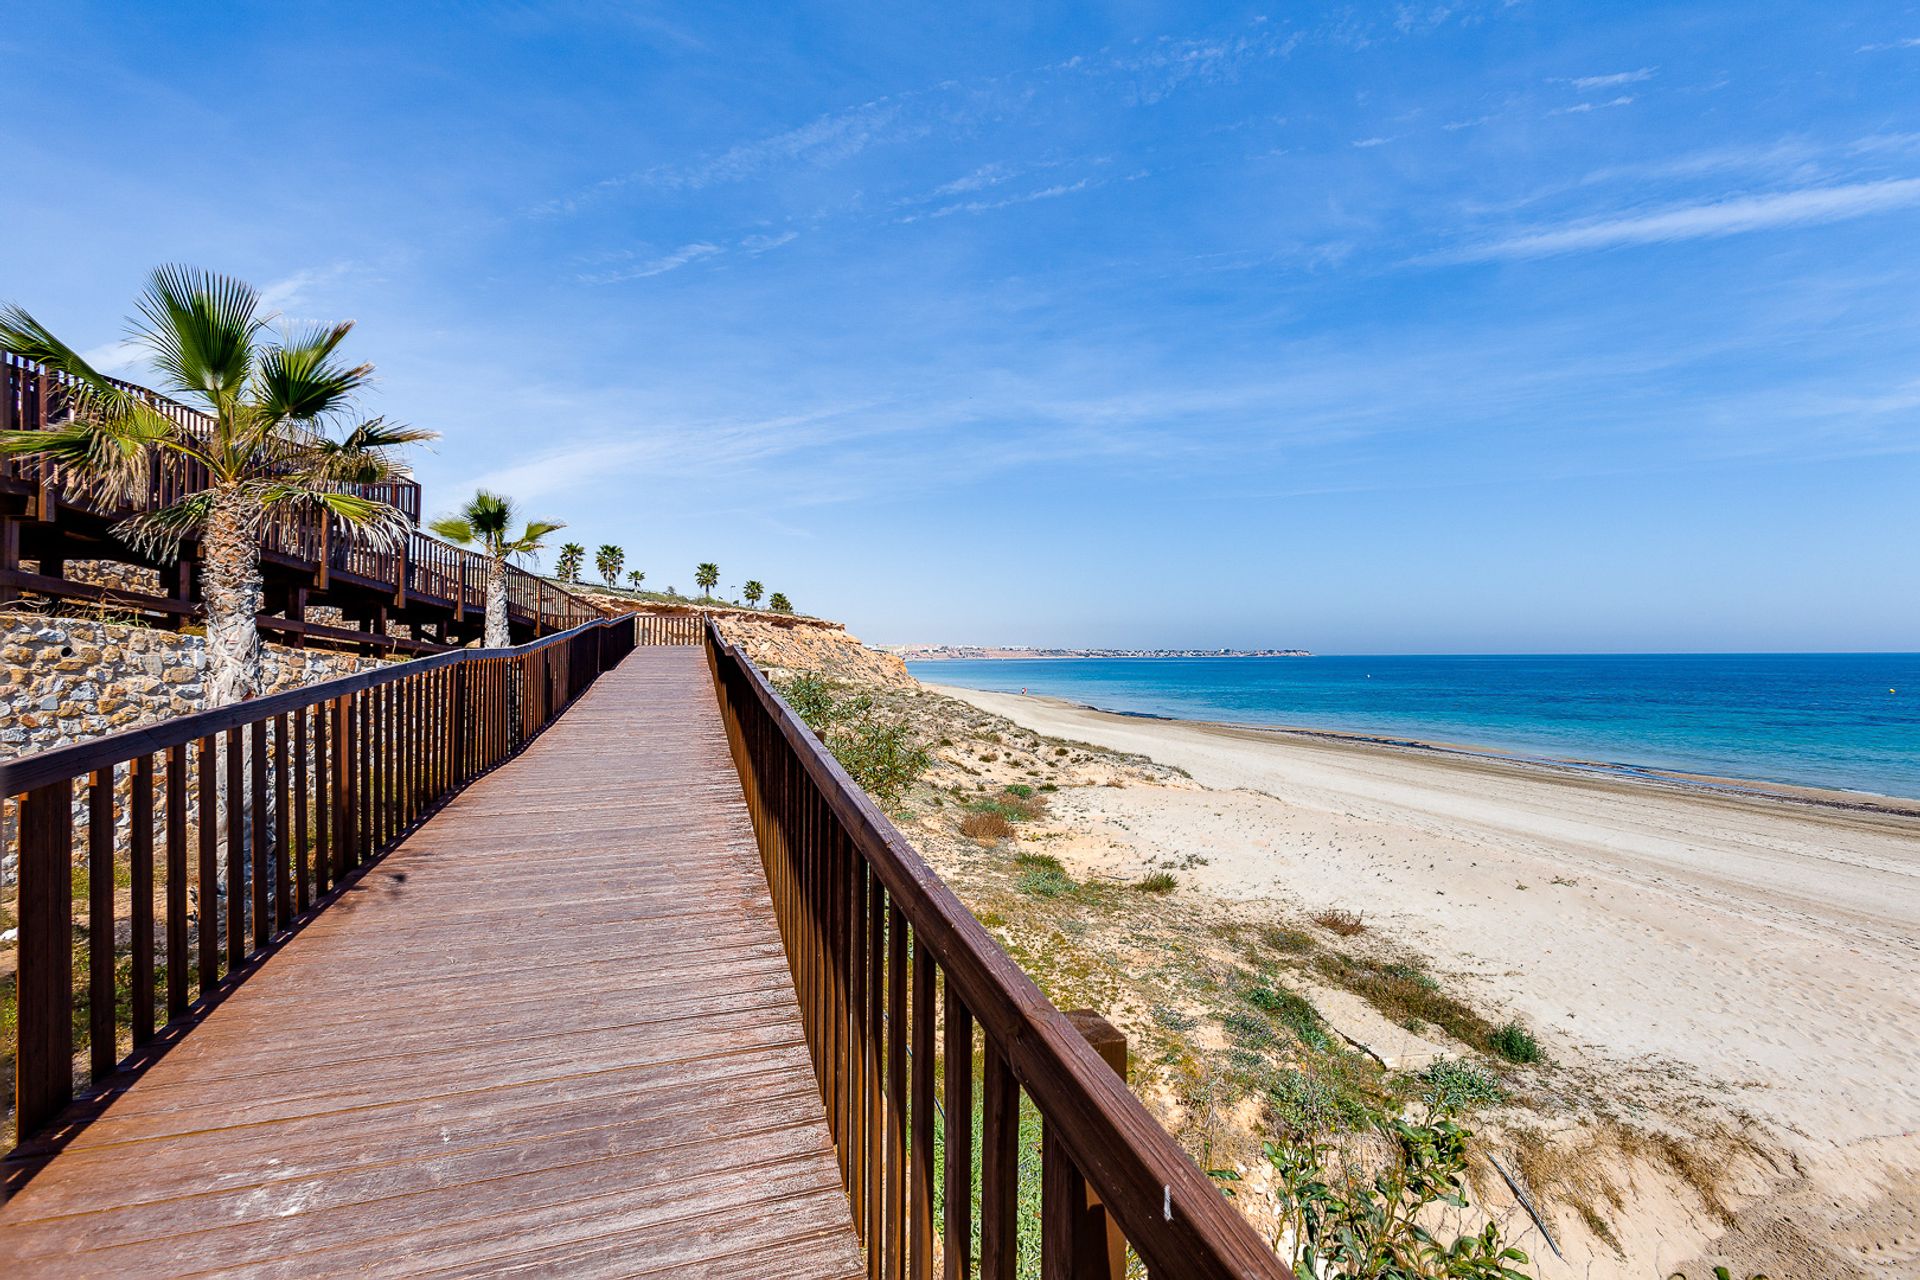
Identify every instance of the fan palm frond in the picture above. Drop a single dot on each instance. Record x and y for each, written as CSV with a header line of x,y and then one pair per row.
x,y
203,329
300,381
160,533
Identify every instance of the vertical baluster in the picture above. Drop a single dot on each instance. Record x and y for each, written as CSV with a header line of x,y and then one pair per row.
x,y
1076,1240
958,1037
999,1167
236,854
43,1065
862,1052
301,811
209,897
876,1073
140,851
837,864
262,864
100,1021
323,793
920,1166
176,882
896,1236
282,826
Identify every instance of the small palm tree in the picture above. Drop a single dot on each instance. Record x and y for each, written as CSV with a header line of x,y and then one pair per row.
x,y
779,603
753,591
485,523
609,560
265,454
635,578
572,557
706,577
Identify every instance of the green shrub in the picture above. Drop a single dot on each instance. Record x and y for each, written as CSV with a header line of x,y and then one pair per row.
x,y
880,755
1515,1043
1158,882
1369,1223
1304,1105
1450,1086
1042,882
1292,1011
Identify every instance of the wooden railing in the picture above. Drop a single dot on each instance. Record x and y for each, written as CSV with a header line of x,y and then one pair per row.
x,y
290,796
32,397
894,977
670,628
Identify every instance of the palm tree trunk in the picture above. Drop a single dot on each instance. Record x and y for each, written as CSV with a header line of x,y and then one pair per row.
x,y
230,569
231,584
497,635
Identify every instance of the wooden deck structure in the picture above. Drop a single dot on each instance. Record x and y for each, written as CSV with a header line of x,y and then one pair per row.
x,y
579,958
309,561
553,1030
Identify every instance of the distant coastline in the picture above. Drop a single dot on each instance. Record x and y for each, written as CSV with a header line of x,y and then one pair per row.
x,y
976,653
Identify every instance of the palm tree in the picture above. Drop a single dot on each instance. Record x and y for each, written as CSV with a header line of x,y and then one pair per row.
x,y
706,576
572,557
779,603
485,523
267,454
753,591
608,560
635,578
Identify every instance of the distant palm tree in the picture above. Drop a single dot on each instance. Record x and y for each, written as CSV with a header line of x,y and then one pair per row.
x,y
635,578
673,590
486,522
609,560
779,603
753,591
264,454
573,557
706,577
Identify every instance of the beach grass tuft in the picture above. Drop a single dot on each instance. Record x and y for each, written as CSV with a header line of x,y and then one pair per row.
x,y
1344,923
985,826
1042,876
1158,882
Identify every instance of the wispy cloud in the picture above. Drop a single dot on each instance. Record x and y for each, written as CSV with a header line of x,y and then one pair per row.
x,y
1911,42
655,266
1581,108
1371,142
1614,80
1026,197
987,175
116,357
757,244
1702,221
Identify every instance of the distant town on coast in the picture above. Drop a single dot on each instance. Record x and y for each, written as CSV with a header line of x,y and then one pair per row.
x,y
939,652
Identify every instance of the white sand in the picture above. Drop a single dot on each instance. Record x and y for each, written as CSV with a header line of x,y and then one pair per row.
x,y
1769,947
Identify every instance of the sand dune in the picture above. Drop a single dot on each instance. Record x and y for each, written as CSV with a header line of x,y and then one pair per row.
x,y
1758,952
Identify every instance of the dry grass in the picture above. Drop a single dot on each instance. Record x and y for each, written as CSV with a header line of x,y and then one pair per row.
x,y
1344,923
986,826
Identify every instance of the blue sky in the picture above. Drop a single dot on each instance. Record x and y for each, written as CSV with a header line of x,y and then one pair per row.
x,y
1424,328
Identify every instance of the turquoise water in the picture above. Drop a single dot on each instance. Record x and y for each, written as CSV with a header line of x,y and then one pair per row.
x,y
1823,720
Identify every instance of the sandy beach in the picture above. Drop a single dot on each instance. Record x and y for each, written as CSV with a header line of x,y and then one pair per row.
x,y
1688,946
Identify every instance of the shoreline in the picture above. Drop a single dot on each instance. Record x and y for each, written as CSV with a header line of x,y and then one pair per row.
x,y
1678,780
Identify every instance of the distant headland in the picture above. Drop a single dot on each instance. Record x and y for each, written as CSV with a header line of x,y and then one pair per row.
x,y
938,652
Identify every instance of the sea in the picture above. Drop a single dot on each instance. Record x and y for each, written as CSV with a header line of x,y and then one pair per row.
x,y
1847,722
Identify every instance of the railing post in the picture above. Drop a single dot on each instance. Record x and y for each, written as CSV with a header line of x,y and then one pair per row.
x,y
43,1068
1077,1239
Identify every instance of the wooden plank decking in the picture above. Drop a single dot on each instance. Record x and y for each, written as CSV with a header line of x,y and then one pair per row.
x,y
553,1032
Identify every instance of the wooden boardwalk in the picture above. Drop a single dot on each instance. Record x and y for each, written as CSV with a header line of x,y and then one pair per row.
x,y
552,1033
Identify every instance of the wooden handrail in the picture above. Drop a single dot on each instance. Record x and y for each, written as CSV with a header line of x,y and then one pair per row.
x,y
299,791
425,567
855,901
